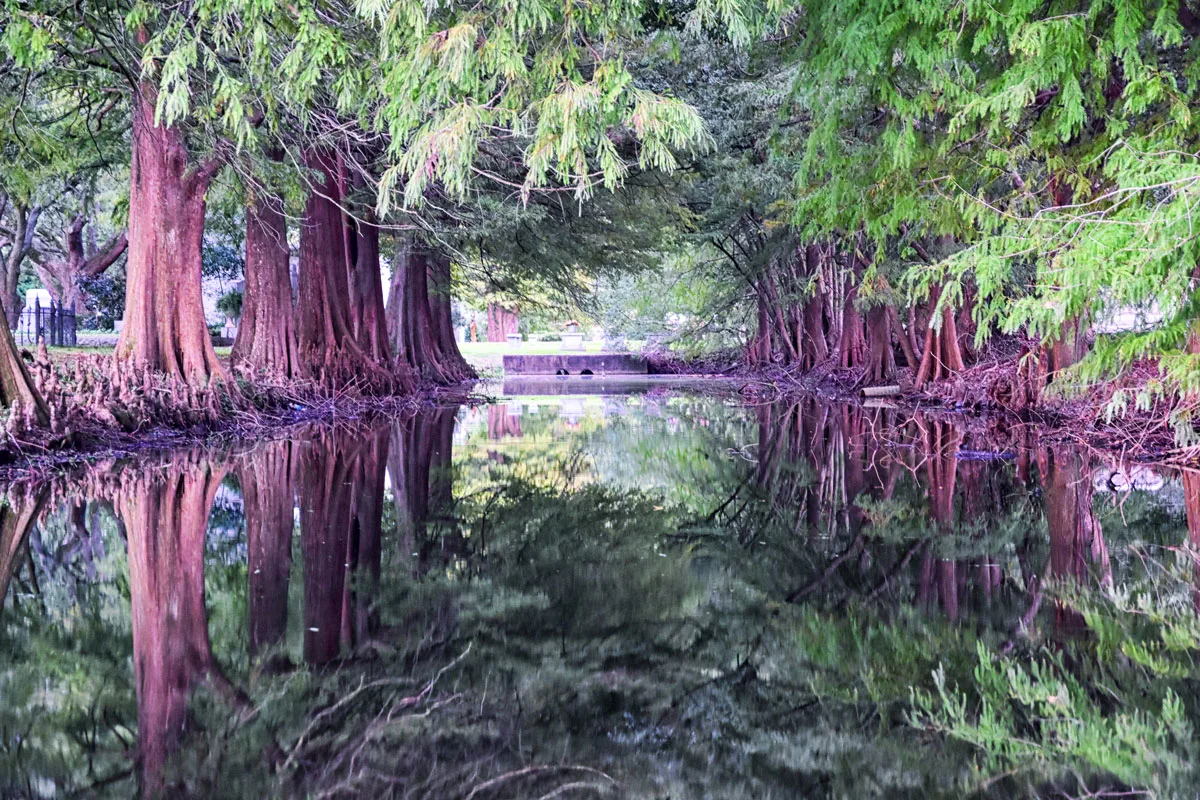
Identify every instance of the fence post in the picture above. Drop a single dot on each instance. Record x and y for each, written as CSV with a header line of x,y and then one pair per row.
x,y
53,324
37,320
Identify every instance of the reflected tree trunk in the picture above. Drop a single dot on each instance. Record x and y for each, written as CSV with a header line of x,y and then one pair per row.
x,y
1191,503
340,481
366,536
17,517
166,514
1078,551
420,465
325,481
268,494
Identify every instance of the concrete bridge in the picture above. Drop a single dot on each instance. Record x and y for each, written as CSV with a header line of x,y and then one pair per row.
x,y
576,364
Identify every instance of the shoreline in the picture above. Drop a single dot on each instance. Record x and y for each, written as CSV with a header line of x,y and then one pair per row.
x,y
1077,422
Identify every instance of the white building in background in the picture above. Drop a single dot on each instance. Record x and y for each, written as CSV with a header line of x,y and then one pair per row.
x,y
38,297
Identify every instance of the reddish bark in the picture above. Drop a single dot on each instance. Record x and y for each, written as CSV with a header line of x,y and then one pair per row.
x,y
266,340
367,291
268,495
440,307
419,319
165,515
340,482
327,329
165,329
941,356
501,322
880,364
853,346
1078,551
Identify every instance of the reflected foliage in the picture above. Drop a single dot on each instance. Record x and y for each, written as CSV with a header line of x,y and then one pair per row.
x,y
653,595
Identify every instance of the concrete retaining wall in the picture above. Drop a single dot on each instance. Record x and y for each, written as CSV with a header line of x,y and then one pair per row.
x,y
597,363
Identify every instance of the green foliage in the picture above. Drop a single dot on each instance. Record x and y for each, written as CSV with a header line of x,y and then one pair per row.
x,y
230,304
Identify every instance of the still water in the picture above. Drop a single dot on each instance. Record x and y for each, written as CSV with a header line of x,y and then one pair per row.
x,y
649,592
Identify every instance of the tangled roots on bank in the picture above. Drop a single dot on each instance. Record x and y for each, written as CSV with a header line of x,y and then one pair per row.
x,y
100,402
111,392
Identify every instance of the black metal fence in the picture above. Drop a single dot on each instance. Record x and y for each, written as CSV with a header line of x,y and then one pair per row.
x,y
53,323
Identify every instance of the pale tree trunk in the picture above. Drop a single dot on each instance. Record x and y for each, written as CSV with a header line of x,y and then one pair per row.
x,y
63,278
266,340
25,220
165,329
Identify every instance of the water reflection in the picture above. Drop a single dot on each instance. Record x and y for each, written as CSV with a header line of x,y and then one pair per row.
x,y
652,594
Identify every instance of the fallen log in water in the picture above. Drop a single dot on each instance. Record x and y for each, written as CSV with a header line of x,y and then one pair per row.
x,y
880,391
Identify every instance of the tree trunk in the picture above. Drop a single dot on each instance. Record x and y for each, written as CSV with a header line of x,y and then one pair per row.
x,y
266,340
501,322
165,329
853,344
1069,347
371,320
443,318
815,347
329,350
761,350
881,360
17,391
24,230
942,355
268,495
423,341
